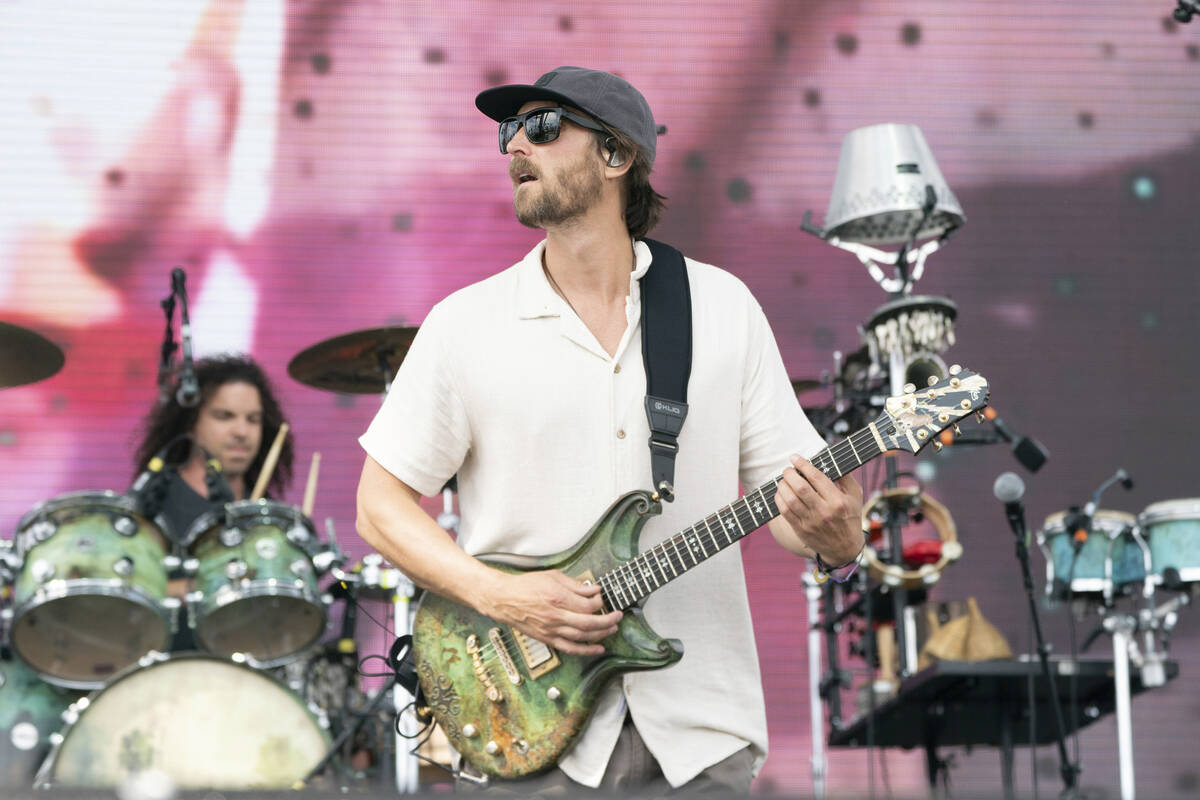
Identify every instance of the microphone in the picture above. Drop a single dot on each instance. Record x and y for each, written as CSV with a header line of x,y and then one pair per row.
x,y
149,488
188,394
1009,489
1124,479
218,487
1028,451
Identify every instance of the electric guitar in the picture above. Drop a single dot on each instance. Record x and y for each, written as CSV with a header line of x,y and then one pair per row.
x,y
511,705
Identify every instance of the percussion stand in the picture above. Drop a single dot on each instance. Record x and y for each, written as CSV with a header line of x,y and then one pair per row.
x,y
1124,629
819,763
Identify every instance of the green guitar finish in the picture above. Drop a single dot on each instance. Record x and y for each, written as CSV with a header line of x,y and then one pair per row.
x,y
529,728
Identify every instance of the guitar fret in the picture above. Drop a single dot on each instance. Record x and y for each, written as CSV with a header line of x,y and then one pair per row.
x,y
614,578
692,543
616,585
647,572
667,556
850,441
675,543
711,537
635,579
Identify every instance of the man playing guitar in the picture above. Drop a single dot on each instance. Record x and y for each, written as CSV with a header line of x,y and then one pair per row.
x,y
529,386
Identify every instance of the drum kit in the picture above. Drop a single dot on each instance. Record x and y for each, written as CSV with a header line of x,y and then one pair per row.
x,y
91,693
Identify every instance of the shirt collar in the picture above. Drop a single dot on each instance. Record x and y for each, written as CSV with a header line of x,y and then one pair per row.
x,y
536,298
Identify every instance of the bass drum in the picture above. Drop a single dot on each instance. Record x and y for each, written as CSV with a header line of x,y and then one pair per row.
x,y
30,714
203,722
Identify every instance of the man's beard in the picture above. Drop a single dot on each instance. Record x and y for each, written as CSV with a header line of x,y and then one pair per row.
x,y
572,193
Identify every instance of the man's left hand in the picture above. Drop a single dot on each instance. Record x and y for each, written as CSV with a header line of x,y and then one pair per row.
x,y
821,516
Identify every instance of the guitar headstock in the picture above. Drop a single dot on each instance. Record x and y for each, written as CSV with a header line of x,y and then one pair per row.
x,y
917,417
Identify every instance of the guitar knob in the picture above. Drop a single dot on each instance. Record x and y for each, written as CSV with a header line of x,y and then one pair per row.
x,y
491,748
469,731
553,693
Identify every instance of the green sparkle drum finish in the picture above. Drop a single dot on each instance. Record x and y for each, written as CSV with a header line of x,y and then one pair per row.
x,y
89,600
1088,572
1172,529
203,722
30,712
259,592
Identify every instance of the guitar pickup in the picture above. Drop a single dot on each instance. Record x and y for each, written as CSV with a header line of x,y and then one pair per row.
x,y
539,657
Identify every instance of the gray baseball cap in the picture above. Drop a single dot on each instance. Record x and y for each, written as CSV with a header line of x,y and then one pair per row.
x,y
612,100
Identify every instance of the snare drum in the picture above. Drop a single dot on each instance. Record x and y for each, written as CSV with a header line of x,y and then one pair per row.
x,y
256,588
30,713
1109,557
1172,530
204,722
91,596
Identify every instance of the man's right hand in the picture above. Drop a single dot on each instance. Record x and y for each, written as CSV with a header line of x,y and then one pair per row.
x,y
553,608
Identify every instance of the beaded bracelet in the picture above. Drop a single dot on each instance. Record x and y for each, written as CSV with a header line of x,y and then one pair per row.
x,y
843,572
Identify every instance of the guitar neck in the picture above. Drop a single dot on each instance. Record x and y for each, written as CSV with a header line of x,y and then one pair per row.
x,y
651,569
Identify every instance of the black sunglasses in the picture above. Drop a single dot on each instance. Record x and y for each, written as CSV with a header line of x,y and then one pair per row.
x,y
542,125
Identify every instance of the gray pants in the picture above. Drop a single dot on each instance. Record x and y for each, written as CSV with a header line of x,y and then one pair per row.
x,y
632,770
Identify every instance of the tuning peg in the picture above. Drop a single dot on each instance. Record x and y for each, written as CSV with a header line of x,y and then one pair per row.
x,y
957,432
955,369
937,445
979,417
933,379
908,388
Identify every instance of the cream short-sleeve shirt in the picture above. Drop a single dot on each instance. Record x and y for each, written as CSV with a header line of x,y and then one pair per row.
x,y
507,388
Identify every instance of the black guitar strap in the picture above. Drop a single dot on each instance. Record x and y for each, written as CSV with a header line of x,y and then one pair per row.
x,y
667,355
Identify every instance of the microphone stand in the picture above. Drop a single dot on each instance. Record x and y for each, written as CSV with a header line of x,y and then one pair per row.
x,y
1068,770
167,353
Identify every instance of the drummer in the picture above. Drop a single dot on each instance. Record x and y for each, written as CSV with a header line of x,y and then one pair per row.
x,y
236,420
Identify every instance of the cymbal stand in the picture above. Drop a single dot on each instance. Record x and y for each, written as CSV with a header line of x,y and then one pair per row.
x,y
400,590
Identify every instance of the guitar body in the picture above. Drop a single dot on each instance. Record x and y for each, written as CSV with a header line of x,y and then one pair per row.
x,y
510,705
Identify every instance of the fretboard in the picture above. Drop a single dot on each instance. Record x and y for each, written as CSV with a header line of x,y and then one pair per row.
x,y
666,561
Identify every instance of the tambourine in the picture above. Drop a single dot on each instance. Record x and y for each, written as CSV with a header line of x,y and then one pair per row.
x,y
913,500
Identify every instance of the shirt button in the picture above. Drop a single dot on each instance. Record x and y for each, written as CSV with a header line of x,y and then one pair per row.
x,y
616,369
621,434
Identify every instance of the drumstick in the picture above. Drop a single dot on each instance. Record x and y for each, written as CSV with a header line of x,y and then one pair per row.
x,y
310,490
268,466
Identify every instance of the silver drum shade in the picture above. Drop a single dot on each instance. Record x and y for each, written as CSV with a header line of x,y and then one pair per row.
x,y
879,190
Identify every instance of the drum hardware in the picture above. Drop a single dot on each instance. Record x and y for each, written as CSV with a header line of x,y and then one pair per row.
x,y
26,356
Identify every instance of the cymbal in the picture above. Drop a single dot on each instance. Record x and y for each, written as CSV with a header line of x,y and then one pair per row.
x,y
26,356
362,362
805,384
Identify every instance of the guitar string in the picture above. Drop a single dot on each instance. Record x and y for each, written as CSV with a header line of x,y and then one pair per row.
x,y
637,583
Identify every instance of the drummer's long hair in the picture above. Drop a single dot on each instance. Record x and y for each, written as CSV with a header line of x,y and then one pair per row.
x,y
171,421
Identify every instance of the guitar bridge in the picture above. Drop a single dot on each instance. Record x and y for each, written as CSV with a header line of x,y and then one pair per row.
x,y
489,688
510,667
